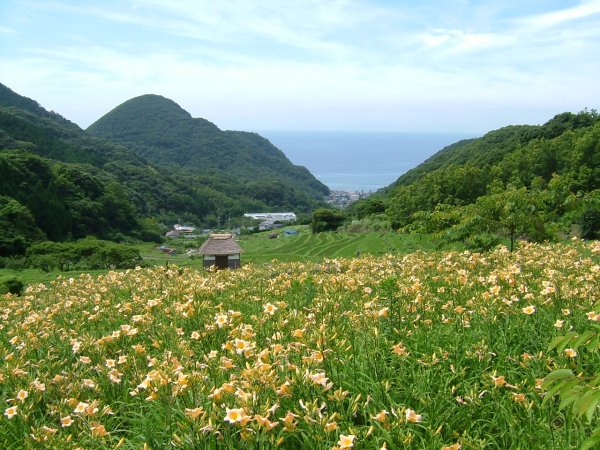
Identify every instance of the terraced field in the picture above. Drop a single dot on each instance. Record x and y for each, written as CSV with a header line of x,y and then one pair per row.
x,y
313,247
258,248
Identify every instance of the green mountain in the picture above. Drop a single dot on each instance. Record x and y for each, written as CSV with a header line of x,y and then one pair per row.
x,y
496,145
60,182
239,163
533,182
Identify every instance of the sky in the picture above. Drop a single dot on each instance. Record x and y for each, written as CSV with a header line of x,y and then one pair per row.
x,y
349,65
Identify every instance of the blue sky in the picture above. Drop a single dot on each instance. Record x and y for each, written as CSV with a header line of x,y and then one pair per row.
x,y
429,65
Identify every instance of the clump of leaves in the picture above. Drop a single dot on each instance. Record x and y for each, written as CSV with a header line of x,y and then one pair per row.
x,y
579,393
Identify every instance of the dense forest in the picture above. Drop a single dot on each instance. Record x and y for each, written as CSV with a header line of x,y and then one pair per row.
x,y
533,182
237,163
60,182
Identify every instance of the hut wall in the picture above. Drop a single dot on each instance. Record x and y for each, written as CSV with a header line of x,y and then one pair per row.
x,y
209,260
233,261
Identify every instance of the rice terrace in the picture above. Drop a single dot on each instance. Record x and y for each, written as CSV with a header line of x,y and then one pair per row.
x,y
307,246
438,349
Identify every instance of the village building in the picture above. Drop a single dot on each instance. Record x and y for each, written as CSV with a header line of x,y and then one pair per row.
x,y
280,217
270,221
221,251
166,250
268,225
173,234
178,230
184,228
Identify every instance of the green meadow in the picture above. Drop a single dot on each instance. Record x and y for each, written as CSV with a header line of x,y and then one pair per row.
x,y
306,246
259,249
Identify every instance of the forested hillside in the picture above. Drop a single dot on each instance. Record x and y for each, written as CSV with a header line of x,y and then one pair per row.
x,y
239,163
534,182
60,183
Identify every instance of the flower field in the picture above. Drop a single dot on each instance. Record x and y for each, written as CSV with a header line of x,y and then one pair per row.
x,y
428,350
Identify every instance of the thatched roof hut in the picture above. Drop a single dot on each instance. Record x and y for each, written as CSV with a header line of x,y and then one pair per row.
x,y
222,251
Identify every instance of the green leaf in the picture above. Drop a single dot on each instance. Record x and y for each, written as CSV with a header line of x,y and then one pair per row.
x,y
583,339
561,342
559,374
554,387
557,341
571,386
592,441
587,403
569,393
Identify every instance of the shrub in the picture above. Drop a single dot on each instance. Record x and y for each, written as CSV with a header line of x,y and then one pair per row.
x,y
590,223
482,242
12,285
89,253
324,219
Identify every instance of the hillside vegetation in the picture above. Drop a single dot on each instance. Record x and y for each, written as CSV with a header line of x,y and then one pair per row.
x,y
60,183
427,351
532,182
239,163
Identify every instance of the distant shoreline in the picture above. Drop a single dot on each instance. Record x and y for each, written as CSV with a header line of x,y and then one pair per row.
x,y
359,161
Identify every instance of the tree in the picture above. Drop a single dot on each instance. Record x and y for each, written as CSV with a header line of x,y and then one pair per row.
x,y
590,217
117,210
368,207
452,185
324,219
511,213
18,227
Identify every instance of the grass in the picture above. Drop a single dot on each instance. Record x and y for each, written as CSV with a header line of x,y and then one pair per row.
x,y
259,249
418,350
314,247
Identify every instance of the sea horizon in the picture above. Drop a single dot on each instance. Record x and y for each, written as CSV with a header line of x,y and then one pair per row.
x,y
359,161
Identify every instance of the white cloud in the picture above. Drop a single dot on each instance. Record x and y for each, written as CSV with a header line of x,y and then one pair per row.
x,y
555,18
312,26
464,41
310,64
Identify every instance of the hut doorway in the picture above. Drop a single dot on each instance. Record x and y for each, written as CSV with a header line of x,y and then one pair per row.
x,y
221,261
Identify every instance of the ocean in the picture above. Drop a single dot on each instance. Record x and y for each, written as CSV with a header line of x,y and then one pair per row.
x,y
359,161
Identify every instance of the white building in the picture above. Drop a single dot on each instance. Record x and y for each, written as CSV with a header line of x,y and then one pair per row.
x,y
282,217
184,228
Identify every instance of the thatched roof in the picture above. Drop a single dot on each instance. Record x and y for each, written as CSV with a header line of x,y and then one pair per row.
x,y
220,244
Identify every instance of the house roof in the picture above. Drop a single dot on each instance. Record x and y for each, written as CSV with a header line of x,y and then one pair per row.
x,y
220,244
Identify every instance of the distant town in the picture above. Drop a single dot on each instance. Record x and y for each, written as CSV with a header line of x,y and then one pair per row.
x,y
272,220
341,199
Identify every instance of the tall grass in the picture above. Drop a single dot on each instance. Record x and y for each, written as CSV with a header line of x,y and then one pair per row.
x,y
427,350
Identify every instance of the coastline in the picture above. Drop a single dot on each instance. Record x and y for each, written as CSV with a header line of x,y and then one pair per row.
x,y
359,161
